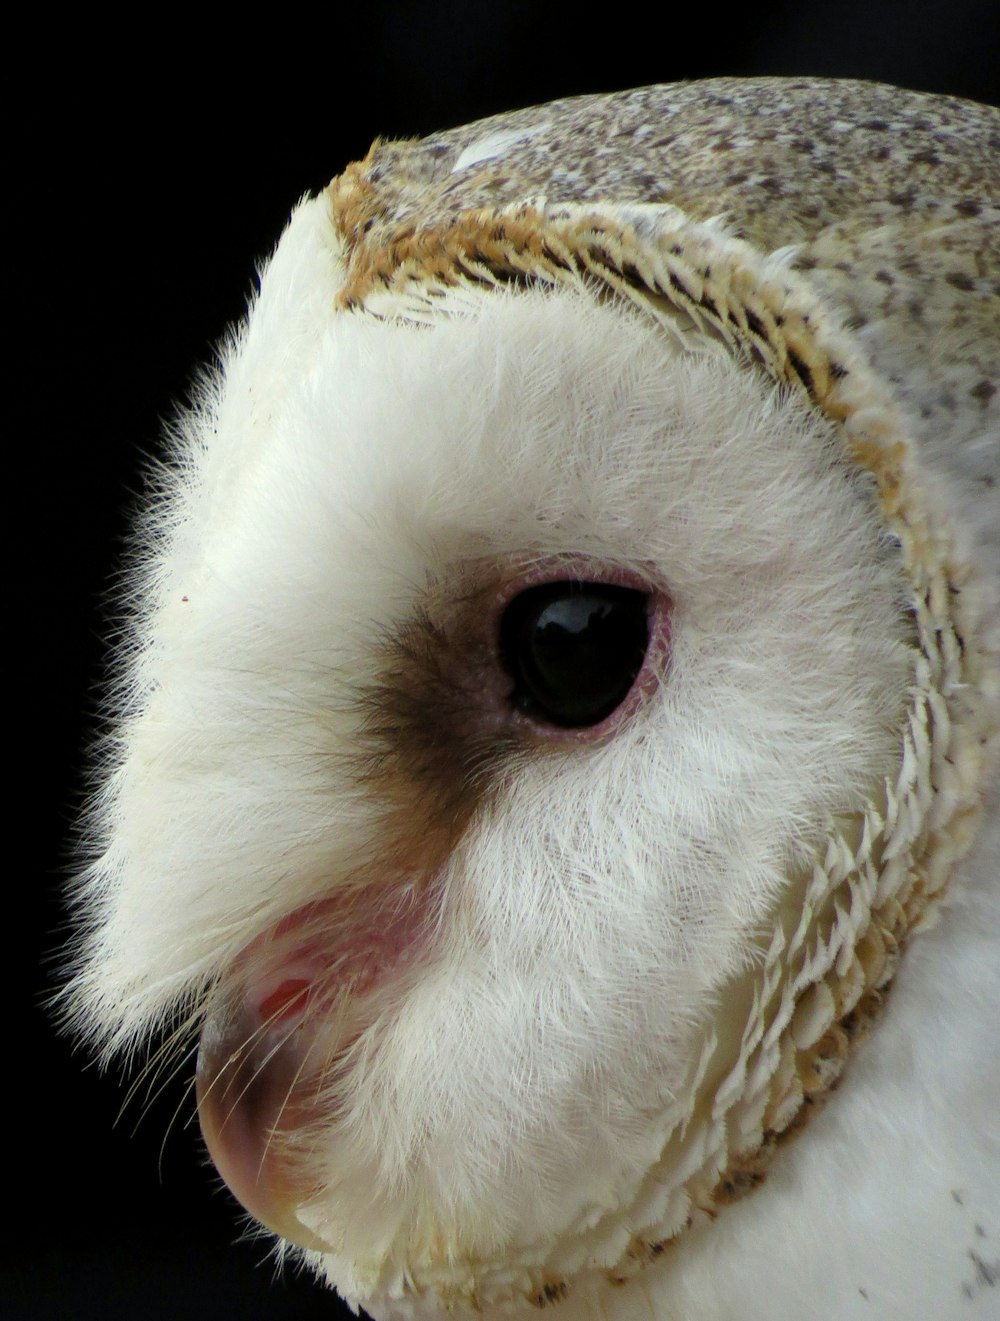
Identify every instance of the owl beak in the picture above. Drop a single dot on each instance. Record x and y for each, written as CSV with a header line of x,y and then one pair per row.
x,y
276,1050
249,1106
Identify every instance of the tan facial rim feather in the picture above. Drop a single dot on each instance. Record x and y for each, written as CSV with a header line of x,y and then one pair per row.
x,y
834,953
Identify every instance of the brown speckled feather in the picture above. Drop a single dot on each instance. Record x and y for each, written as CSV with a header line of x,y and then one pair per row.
x,y
890,201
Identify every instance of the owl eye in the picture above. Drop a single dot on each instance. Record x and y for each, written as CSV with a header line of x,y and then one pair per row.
x,y
574,649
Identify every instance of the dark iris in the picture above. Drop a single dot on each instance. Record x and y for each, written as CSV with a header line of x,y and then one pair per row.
x,y
573,649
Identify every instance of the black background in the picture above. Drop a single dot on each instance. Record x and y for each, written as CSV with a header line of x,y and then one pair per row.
x,y
155,171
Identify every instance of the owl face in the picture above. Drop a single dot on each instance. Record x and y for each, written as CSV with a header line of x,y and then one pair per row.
x,y
556,692
461,944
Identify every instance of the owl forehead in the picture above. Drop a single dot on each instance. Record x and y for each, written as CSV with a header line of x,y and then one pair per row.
x,y
412,457
524,416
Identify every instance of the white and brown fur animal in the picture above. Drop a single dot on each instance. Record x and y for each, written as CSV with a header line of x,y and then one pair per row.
x,y
558,738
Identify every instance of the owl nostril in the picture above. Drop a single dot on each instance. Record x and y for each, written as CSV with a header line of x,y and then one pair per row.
x,y
574,649
287,1001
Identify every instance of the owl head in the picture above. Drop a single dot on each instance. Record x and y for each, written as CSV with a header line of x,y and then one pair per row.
x,y
557,689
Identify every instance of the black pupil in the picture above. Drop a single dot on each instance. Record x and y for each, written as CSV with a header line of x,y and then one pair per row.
x,y
574,649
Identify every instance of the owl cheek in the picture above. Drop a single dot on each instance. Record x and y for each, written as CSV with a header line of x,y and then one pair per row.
x,y
272,1051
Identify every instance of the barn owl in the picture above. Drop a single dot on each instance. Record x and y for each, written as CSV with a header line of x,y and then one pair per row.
x,y
554,770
